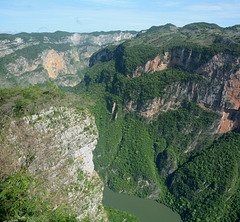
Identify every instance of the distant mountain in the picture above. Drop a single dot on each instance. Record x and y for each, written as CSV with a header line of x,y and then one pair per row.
x,y
28,59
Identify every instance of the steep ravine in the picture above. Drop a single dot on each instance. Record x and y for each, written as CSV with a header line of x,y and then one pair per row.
x,y
189,92
56,146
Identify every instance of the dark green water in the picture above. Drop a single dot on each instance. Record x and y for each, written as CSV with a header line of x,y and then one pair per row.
x,y
145,210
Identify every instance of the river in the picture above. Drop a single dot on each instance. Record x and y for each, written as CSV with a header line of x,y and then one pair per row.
x,y
145,210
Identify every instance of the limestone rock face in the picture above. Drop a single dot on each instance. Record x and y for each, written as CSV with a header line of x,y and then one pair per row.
x,y
56,146
219,91
54,63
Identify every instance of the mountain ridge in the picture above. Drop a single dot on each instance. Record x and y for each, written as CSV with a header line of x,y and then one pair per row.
x,y
63,57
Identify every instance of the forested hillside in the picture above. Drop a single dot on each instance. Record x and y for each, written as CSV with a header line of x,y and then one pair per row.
x,y
168,118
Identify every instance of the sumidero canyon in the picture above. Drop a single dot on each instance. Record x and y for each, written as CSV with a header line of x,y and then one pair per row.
x,y
135,126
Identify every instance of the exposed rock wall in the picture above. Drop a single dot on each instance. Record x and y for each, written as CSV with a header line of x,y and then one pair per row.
x,y
8,46
219,90
54,62
50,64
11,43
56,146
157,64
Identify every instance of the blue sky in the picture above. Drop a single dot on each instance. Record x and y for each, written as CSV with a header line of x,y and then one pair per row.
x,y
105,15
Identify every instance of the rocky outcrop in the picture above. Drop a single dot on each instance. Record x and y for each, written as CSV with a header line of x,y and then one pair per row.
x,y
8,46
50,65
188,59
56,146
157,64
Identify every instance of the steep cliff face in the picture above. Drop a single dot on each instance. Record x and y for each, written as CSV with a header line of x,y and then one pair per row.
x,y
62,57
219,90
54,63
12,43
56,146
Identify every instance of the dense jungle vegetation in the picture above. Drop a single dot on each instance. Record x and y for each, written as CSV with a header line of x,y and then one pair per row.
x,y
174,157
149,158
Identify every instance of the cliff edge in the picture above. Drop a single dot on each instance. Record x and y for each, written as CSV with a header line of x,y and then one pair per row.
x,y
56,147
